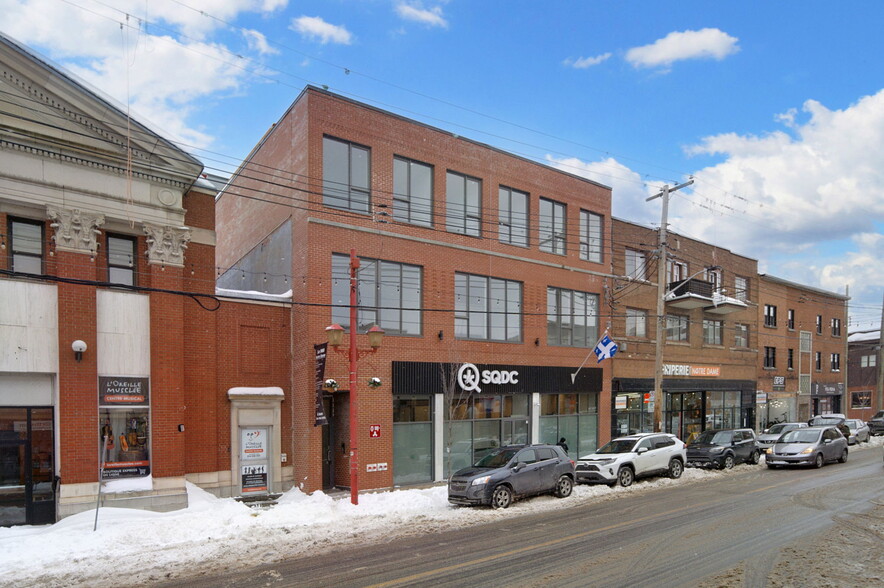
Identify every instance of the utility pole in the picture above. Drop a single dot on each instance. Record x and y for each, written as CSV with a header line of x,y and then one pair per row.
x,y
880,360
661,294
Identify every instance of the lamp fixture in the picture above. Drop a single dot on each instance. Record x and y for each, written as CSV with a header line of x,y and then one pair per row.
x,y
79,347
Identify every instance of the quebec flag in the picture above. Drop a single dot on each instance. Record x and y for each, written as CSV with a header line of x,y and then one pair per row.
x,y
605,348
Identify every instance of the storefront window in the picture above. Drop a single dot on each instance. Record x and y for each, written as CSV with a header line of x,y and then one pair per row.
x,y
124,426
684,415
633,414
412,440
722,409
572,416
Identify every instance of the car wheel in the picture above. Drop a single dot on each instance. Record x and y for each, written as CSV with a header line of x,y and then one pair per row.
x,y
625,476
843,458
728,462
502,497
818,462
753,459
676,468
564,487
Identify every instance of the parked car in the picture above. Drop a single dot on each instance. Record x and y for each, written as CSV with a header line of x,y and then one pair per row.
x,y
876,423
722,448
836,420
624,459
769,436
859,431
809,446
508,473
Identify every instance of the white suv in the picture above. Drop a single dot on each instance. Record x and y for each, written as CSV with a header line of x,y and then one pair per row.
x,y
626,458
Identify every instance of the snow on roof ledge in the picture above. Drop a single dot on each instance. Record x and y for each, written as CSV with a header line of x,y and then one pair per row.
x,y
244,391
254,295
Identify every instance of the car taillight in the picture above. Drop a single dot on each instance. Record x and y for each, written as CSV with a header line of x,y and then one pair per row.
x,y
572,462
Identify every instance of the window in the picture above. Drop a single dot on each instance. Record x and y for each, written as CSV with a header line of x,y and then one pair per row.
x,y
741,288
552,226
862,399
819,324
790,319
635,264
868,361
345,175
487,308
26,246
677,327
770,315
713,276
463,196
389,295
836,327
835,362
818,361
741,337
678,271
790,359
121,260
412,192
712,332
636,323
512,224
571,317
770,357
590,236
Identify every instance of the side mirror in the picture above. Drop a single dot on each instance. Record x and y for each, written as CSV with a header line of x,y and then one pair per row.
x,y
766,431
642,450
519,466
826,441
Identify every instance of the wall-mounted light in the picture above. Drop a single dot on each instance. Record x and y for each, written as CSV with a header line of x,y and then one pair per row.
x,y
79,347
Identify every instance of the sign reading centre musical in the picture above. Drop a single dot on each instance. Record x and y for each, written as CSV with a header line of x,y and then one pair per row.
x,y
696,371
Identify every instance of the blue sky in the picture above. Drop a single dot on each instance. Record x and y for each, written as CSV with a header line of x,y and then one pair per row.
x,y
775,108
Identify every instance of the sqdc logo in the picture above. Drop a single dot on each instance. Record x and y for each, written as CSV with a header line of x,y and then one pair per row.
x,y
469,377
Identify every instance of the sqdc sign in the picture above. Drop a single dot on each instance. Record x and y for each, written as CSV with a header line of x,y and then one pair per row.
x,y
469,377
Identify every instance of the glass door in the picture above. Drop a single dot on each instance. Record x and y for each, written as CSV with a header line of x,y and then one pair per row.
x,y
27,466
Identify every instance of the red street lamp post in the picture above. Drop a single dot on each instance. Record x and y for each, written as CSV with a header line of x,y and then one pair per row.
x,y
335,338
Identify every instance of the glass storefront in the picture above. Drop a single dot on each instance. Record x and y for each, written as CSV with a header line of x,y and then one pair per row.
x,y
412,439
125,434
633,414
27,466
684,415
573,417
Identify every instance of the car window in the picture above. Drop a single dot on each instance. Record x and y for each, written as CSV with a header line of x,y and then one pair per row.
x,y
527,456
646,443
496,459
545,453
663,441
800,436
617,446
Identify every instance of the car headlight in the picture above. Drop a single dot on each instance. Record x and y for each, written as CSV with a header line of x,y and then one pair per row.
x,y
769,450
808,450
480,481
604,462
716,450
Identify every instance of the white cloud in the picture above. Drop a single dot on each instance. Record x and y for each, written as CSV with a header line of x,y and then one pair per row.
x,y
314,28
428,16
678,46
585,62
258,42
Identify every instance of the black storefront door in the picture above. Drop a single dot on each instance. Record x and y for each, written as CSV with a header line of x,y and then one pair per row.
x,y
27,466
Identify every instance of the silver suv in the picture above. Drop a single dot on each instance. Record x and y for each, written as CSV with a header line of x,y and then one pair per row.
x,y
511,472
624,459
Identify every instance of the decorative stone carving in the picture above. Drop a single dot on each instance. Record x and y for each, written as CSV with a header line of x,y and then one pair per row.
x,y
166,245
75,230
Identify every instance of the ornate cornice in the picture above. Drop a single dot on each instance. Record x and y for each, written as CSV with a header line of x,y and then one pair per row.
x,y
166,245
75,230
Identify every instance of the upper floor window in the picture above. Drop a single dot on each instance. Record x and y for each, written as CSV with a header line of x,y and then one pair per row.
x,y
818,360
571,317
770,315
713,332
868,361
345,175
389,295
741,288
636,323
678,271
835,362
790,359
770,357
836,327
635,264
552,226
819,324
26,246
487,308
790,319
677,327
412,191
513,216
463,196
121,260
590,236
713,276
741,335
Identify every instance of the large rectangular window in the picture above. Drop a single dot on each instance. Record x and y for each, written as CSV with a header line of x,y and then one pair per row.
x,y
836,327
463,201
713,332
121,260
590,236
770,315
513,216
677,327
741,335
487,308
26,246
835,362
636,323
790,319
741,288
345,175
571,317
412,192
770,357
552,226
635,264
389,295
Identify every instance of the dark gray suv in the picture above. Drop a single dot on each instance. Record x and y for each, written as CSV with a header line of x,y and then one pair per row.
x,y
513,472
722,448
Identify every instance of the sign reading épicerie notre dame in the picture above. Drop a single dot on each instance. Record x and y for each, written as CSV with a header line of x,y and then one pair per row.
x,y
123,391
